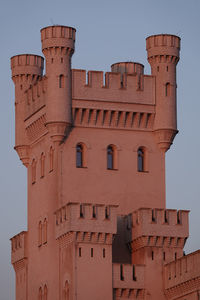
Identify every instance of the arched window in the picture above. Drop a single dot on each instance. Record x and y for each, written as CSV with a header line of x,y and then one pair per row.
x,y
45,292
33,171
79,156
42,165
110,157
51,157
40,234
66,290
45,231
40,294
140,159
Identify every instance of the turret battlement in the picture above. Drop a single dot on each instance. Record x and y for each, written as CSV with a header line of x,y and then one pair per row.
x,y
86,218
129,88
163,45
128,67
159,227
180,272
19,247
128,280
58,36
27,64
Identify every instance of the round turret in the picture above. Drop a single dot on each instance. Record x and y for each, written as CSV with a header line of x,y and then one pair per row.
x,y
163,44
58,44
58,36
163,56
128,67
27,64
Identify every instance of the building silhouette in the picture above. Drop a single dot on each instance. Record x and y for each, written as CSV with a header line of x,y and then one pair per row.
x,y
94,148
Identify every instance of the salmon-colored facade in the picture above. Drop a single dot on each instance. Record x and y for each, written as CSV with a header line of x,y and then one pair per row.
x,y
94,148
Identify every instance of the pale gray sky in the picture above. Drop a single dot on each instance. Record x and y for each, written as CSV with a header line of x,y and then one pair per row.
x,y
108,31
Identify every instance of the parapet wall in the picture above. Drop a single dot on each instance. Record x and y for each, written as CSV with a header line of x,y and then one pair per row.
x,y
86,218
35,97
132,88
19,247
128,276
182,270
128,281
160,223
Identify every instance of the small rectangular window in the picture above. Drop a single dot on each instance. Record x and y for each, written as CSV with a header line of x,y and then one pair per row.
x,y
92,252
79,252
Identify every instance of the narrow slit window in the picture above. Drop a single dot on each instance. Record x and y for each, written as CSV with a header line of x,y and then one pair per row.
x,y
152,255
110,158
33,171
121,273
164,256
104,252
51,159
107,212
134,277
92,252
40,234
42,165
61,81
79,252
167,89
140,154
94,213
81,211
79,156
45,231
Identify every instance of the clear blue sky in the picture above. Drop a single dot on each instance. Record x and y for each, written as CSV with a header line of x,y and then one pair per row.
x,y
107,31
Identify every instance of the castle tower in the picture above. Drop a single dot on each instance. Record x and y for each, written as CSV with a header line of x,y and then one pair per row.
x,y
58,47
26,70
163,56
97,224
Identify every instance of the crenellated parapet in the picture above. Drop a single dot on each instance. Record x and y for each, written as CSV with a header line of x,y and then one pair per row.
x,y
19,247
35,97
128,88
94,223
163,48
159,227
182,276
128,281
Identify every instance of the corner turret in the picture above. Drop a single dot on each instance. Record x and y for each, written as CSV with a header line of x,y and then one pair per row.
x,y
58,47
163,56
26,70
